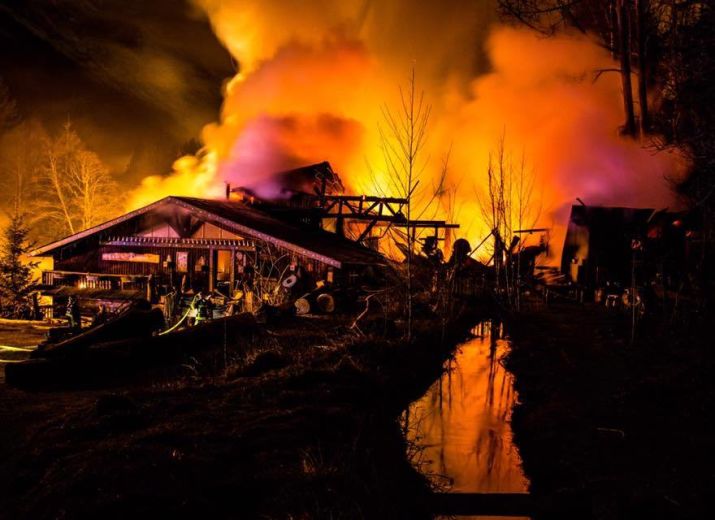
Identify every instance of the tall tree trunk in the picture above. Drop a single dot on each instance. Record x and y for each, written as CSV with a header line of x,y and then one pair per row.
x,y
613,13
624,21
410,172
641,13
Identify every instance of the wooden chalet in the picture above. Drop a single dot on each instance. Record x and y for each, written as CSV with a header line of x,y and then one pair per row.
x,y
190,244
200,244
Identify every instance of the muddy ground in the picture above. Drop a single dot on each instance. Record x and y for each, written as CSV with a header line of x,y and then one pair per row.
x,y
298,420
610,430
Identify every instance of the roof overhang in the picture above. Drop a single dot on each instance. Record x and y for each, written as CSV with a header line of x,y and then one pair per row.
x,y
40,251
199,213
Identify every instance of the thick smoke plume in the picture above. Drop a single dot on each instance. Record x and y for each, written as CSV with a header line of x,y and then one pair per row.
x,y
313,82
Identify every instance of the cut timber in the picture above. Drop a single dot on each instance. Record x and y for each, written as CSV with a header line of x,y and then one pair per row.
x,y
326,303
316,301
302,305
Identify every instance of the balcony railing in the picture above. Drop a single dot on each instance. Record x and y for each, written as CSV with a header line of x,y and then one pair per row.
x,y
182,243
56,278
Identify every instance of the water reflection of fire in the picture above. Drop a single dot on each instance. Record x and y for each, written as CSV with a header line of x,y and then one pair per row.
x,y
462,422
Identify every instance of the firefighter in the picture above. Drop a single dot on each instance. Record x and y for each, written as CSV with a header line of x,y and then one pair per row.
x,y
72,313
101,316
431,251
204,308
193,310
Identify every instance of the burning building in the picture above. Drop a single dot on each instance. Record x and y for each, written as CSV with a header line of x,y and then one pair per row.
x,y
242,247
598,240
206,245
612,245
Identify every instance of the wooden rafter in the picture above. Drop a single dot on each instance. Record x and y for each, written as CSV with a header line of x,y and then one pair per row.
x,y
361,206
375,211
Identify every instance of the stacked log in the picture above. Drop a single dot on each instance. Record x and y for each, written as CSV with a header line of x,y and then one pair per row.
x,y
318,301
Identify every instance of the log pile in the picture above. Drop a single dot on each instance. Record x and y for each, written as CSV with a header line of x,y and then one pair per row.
x,y
318,301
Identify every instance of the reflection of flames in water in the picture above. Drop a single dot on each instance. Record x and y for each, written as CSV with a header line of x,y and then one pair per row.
x,y
315,75
462,422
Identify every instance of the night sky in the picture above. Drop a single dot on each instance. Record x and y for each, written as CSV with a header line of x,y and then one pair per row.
x,y
138,78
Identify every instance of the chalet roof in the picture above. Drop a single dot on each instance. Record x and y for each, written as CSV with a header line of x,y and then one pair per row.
x,y
262,225
251,222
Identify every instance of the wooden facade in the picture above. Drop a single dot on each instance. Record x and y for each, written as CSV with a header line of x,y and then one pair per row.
x,y
200,245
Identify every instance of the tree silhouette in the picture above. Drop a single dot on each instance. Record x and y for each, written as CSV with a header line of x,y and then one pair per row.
x,y
78,190
403,138
16,280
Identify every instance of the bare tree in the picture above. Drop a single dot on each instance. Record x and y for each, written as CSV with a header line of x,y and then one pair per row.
x,y
58,157
497,209
625,27
78,189
403,136
91,189
509,206
271,268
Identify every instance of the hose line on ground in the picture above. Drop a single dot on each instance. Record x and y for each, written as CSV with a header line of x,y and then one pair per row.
x,y
191,307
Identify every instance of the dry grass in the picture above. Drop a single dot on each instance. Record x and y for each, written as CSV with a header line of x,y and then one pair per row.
x,y
297,419
609,429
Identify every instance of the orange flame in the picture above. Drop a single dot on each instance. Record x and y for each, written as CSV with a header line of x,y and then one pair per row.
x,y
314,80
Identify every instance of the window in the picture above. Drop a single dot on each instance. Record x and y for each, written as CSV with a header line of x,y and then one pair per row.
x,y
182,261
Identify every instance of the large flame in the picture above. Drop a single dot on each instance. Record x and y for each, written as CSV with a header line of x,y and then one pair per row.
x,y
314,79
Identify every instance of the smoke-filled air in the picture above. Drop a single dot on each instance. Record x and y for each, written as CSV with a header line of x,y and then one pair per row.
x,y
314,82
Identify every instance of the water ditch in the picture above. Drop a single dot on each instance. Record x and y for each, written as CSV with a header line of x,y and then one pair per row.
x,y
459,431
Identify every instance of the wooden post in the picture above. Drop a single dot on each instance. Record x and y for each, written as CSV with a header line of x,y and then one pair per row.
x,y
212,268
339,223
232,273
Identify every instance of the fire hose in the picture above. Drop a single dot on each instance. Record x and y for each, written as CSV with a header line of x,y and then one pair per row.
x,y
191,307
